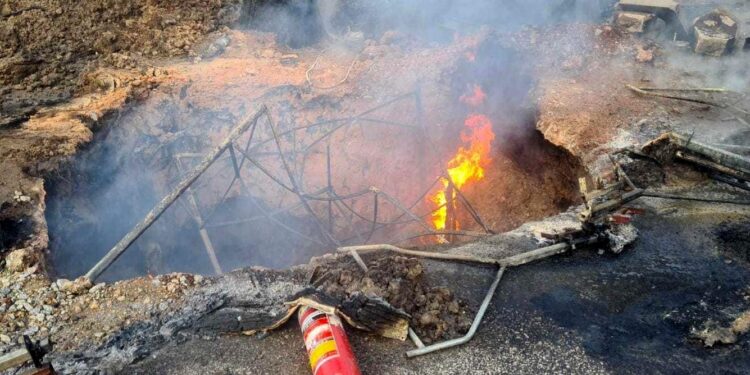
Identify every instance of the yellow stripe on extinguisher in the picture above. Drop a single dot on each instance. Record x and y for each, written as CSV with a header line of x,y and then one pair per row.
x,y
320,351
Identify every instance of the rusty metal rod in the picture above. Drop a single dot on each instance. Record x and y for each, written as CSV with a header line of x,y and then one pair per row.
x,y
165,203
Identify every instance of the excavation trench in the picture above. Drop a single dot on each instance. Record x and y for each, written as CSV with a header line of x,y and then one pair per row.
x,y
306,185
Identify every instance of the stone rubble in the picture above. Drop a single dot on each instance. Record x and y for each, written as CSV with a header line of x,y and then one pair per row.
x,y
76,312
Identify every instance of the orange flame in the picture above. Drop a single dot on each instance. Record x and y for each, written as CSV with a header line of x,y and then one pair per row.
x,y
468,164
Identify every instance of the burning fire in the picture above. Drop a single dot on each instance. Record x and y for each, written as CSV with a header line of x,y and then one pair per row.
x,y
468,164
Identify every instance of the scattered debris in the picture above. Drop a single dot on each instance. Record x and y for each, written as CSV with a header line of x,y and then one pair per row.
x,y
620,236
76,287
573,239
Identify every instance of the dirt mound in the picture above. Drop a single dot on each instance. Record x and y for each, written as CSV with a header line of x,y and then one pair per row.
x,y
435,312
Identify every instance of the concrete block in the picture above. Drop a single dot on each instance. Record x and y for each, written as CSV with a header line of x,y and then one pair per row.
x,y
667,10
715,33
634,22
650,6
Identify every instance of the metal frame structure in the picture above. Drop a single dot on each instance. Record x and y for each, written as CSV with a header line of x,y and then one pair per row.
x,y
250,155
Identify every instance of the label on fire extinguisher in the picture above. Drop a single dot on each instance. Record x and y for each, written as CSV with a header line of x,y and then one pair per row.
x,y
320,341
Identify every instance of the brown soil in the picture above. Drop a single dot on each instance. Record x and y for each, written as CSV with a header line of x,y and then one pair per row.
x,y
529,179
583,101
46,46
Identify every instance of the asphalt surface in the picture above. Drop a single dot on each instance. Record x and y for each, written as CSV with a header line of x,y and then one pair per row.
x,y
582,313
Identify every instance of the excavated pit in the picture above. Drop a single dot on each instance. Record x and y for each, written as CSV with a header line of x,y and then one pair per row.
x,y
109,186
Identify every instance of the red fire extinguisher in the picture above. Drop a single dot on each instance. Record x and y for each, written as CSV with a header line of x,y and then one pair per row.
x,y
327,346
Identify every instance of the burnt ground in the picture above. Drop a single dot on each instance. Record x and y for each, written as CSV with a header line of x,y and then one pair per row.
x,y
583,313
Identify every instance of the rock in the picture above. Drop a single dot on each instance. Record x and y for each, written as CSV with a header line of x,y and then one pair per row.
x,y
453,307
20,197
97,287
267,53
6,9
290,59
741,325
620,236
173,287
79,286
19,260
715,33
214,45
5,339
712,334
644,55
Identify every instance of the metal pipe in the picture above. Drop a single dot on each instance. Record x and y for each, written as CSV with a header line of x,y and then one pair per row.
x,y
511,261
727,146
416,253
713,166
474,325
165,203
297,191
695,199
717,155
415,339
207,243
